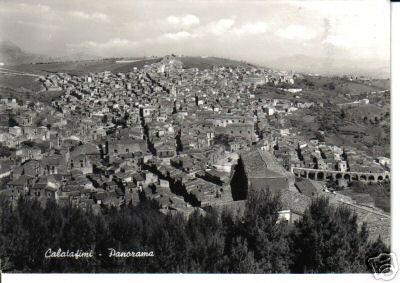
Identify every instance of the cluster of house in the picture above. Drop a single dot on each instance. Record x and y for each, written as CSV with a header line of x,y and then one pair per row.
x,y
114,138
341,164
163,132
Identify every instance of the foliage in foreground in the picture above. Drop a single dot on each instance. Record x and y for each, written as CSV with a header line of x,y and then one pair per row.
x,y
327,239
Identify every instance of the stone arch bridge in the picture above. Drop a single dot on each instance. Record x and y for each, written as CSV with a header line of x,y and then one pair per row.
x,y
326,175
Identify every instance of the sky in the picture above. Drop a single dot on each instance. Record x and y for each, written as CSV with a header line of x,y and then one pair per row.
x,y
255,31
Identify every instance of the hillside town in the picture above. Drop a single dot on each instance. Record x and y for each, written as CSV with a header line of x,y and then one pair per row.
x,y
189,138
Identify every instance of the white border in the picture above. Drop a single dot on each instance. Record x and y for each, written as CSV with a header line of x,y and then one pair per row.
x,y
201,278
395,129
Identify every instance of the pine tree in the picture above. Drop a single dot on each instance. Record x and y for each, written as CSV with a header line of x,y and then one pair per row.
x,y
374,249
239,259
328,240
266,237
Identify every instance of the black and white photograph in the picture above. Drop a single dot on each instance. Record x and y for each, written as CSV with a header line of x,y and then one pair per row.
x,y
196,137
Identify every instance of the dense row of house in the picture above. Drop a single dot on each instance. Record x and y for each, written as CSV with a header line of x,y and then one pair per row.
x,y
184,137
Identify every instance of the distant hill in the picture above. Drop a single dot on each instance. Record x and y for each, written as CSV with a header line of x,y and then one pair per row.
x,y
12,54
82,67
79,56
329,66
115,65
208,62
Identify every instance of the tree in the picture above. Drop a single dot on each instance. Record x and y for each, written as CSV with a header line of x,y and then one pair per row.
x,y
171,246
265,235
207,242
374,249
327,240
240,259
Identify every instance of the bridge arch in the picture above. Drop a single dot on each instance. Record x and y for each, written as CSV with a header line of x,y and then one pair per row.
x,y
325,175
329,176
